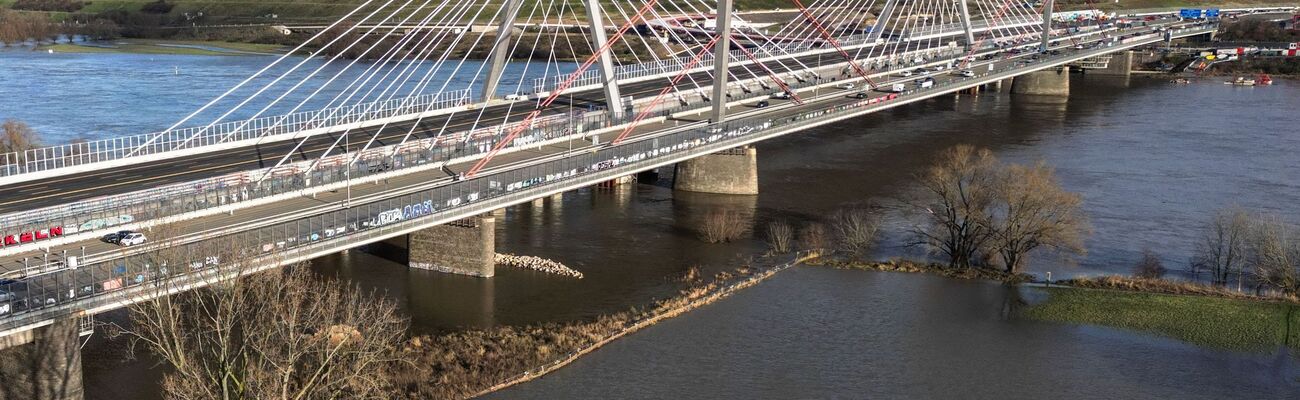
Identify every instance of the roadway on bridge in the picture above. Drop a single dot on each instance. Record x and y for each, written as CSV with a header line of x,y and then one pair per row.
x,y
287,210
70,188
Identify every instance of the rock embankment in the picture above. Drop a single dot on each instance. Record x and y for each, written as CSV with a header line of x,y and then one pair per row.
x,y
536,264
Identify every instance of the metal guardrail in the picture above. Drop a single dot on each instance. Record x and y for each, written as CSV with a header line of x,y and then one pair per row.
x,y
82,153
55,294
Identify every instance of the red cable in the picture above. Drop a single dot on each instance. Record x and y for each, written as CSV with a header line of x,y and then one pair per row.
x,y
827,35
559,90
672,84
775,78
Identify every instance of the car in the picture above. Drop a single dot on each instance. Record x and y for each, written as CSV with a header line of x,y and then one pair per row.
x,y
761,104
905,74
1078,46
967,73
926,84
846,86
781,95
940,67
131,239
919,71
114,237
858,95
516,97
899,88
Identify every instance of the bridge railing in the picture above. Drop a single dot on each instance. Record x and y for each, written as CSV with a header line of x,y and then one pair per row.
x,y
90,152
55,294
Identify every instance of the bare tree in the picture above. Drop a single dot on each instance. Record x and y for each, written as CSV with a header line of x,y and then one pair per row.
x,y
280,334
1149,266
1222,249
1032,211
780,235
855,230
1275,252
959,190
813,236
17,136
723,226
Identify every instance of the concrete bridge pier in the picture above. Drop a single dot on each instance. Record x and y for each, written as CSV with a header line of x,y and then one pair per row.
x,y
732,171
465,247
1048,82
43,364
1121,64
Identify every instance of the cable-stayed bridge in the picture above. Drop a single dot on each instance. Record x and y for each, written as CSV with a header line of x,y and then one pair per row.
x,y
378,134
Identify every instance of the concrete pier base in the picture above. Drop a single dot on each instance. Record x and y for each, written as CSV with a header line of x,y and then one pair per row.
x,y
612,183
733,171
464,247
48,368
1048,82
1121,64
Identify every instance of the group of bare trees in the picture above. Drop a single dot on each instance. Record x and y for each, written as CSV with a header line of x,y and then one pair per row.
x,y
852,232
1241,246
976,211
282,334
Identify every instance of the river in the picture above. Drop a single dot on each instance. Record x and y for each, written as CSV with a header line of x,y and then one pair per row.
x,y
1153,160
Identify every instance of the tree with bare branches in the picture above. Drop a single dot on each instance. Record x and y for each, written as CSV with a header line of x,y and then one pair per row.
x,y
278,334
958,191
780,235
1149,266
812,236
1032,211
1222,249
1275,254
855,230
17,136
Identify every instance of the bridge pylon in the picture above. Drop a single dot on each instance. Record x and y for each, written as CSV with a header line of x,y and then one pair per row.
x,y
721,58
596,22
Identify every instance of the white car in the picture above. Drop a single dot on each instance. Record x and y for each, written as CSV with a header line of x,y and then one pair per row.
x,y
968,73
905,74
846,86
516,97
781,95
940,67
131,239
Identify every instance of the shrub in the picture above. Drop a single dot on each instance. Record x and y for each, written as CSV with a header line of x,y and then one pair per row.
x,y
1149,267
723,226
157,7
48,5
779,236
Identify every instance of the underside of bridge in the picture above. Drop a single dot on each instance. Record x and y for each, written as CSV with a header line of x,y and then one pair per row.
x,y
1121,64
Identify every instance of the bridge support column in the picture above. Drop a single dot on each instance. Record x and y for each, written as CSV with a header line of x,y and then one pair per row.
x,y
465,247
965,24
721,56
500,50
732,171
878,30
1047,25
1121,64
47,368
597,23
1048,82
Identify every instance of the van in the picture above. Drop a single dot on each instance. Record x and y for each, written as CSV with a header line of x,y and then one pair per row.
x,y
926,83
899,88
